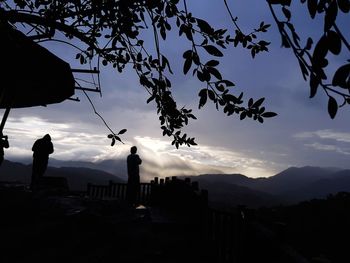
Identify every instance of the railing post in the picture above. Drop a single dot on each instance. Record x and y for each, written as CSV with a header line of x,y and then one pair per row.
x,y
88,191
110,189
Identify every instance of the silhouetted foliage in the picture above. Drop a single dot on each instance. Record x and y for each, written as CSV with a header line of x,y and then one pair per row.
x,y
314,64
112,31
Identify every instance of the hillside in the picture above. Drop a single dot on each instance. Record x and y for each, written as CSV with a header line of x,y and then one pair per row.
x,y
287,187
77,177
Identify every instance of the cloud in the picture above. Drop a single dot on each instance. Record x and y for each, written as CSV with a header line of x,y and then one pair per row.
x,y
200,159
325,134
327,147
70,141
326,140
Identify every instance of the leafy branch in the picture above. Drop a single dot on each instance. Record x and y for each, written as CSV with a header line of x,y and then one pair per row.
x,y
313,65
112,32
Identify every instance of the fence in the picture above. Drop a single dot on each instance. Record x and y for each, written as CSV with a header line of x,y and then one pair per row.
x,y
118,191
223,230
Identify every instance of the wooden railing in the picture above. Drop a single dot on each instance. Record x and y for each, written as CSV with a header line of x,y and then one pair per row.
x,y
118,191
225,233
169,191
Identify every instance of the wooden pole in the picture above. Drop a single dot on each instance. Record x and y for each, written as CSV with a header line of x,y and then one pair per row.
x,y
4,118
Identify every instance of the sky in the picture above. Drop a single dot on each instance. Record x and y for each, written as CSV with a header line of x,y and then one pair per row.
x,y
302,133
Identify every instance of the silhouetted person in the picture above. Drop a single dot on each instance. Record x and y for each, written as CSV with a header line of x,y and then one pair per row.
x,y
41,150
133,162
4,143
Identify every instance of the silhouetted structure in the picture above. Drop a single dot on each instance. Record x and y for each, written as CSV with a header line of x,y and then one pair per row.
x,y
3,144
33,75
41,150
133,162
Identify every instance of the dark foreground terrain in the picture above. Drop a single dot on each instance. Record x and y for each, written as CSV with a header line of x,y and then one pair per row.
x,y
49,226
54,228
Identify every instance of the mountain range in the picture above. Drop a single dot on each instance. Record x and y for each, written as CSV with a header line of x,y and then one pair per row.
x,y
78,177
287,187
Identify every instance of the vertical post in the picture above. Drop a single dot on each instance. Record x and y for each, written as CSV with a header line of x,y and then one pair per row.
x,y
110,189
4,118
89,190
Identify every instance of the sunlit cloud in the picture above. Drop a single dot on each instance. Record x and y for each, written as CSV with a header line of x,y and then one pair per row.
x,y
160,157
200,159
68,143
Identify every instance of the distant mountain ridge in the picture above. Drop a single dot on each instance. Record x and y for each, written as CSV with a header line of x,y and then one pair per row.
x,y
289,186
77,177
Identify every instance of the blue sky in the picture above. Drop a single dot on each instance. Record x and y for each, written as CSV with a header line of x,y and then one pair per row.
x,y
301,134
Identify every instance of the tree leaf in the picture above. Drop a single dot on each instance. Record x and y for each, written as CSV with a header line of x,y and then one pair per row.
x,y
165,63
122,131
187,65
314,83
212,63
228,83
203,98
342,76
312,6
269,114
187,53
331,15
214,72
320,50
286,12
332,107
211,95
243,115
344,5
258,103
309,43
212,50
219,87
204,26
117,138
334,42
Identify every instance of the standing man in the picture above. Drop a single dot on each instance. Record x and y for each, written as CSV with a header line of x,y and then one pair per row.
x,y
41,150
4,143
133,187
